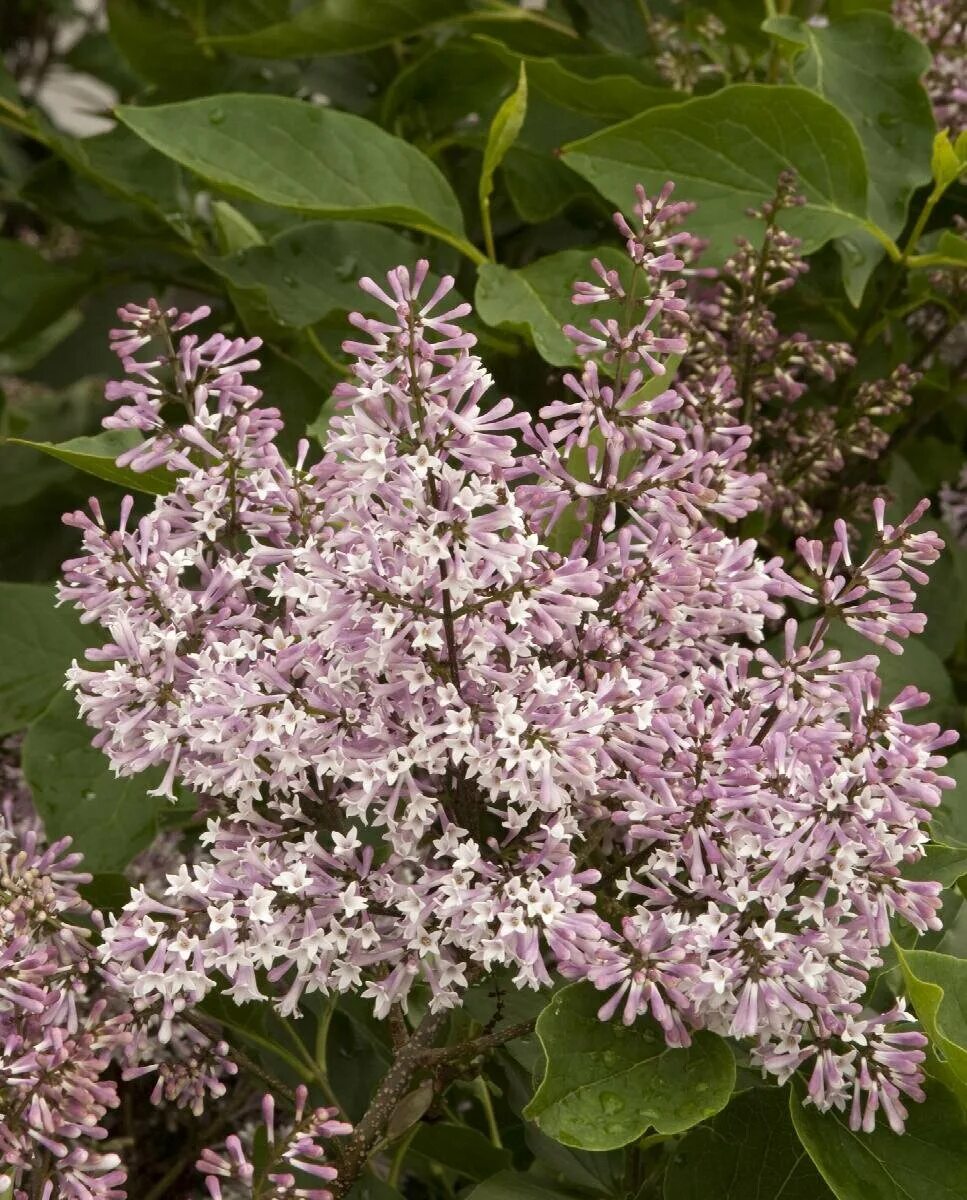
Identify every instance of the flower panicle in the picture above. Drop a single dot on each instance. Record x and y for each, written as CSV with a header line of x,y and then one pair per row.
x,y
467,673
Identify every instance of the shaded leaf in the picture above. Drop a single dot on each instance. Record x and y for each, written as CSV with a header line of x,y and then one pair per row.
x,y
38,642
927,1162
161,49
749,1149
33,291
370,1188
76,793
512,1185
460,1149
949,823
540,185
342,27
601,85
286,273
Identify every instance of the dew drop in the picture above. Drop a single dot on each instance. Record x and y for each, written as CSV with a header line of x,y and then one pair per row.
x,y
346,268
216,116
290,281
611,1103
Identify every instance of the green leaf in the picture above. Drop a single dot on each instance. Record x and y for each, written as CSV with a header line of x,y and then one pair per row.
x,y
460,1149
502,134
96,456
787,29
342,27
38,642
76,793
949,823
927,1162
108,890
511,1185
609,90
945,864
370,1188
234,231
127,166
33,291
540,185
306,158
749,1150
606,1083
937,987
953,247
871,70
726,152
286,275
357,1056
160,48
536,299
948,159
19,356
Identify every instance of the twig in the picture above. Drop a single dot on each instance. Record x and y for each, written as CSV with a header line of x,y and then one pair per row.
x,y
476,1046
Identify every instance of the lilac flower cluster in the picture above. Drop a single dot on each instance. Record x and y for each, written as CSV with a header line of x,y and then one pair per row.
x,y
58,1034
66,1032
942,26
686,53
473,691
801,445
295,1149
953,505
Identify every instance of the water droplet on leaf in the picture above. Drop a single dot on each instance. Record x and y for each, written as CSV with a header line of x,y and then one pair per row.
x,y
346,269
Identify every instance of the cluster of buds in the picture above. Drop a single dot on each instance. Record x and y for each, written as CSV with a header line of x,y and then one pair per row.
x,y
802,440
942,26
289,1152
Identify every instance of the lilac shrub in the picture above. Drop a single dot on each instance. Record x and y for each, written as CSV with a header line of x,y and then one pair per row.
x,y
474,692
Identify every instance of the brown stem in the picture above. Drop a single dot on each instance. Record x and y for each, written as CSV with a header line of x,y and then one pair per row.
x,y
394,1086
